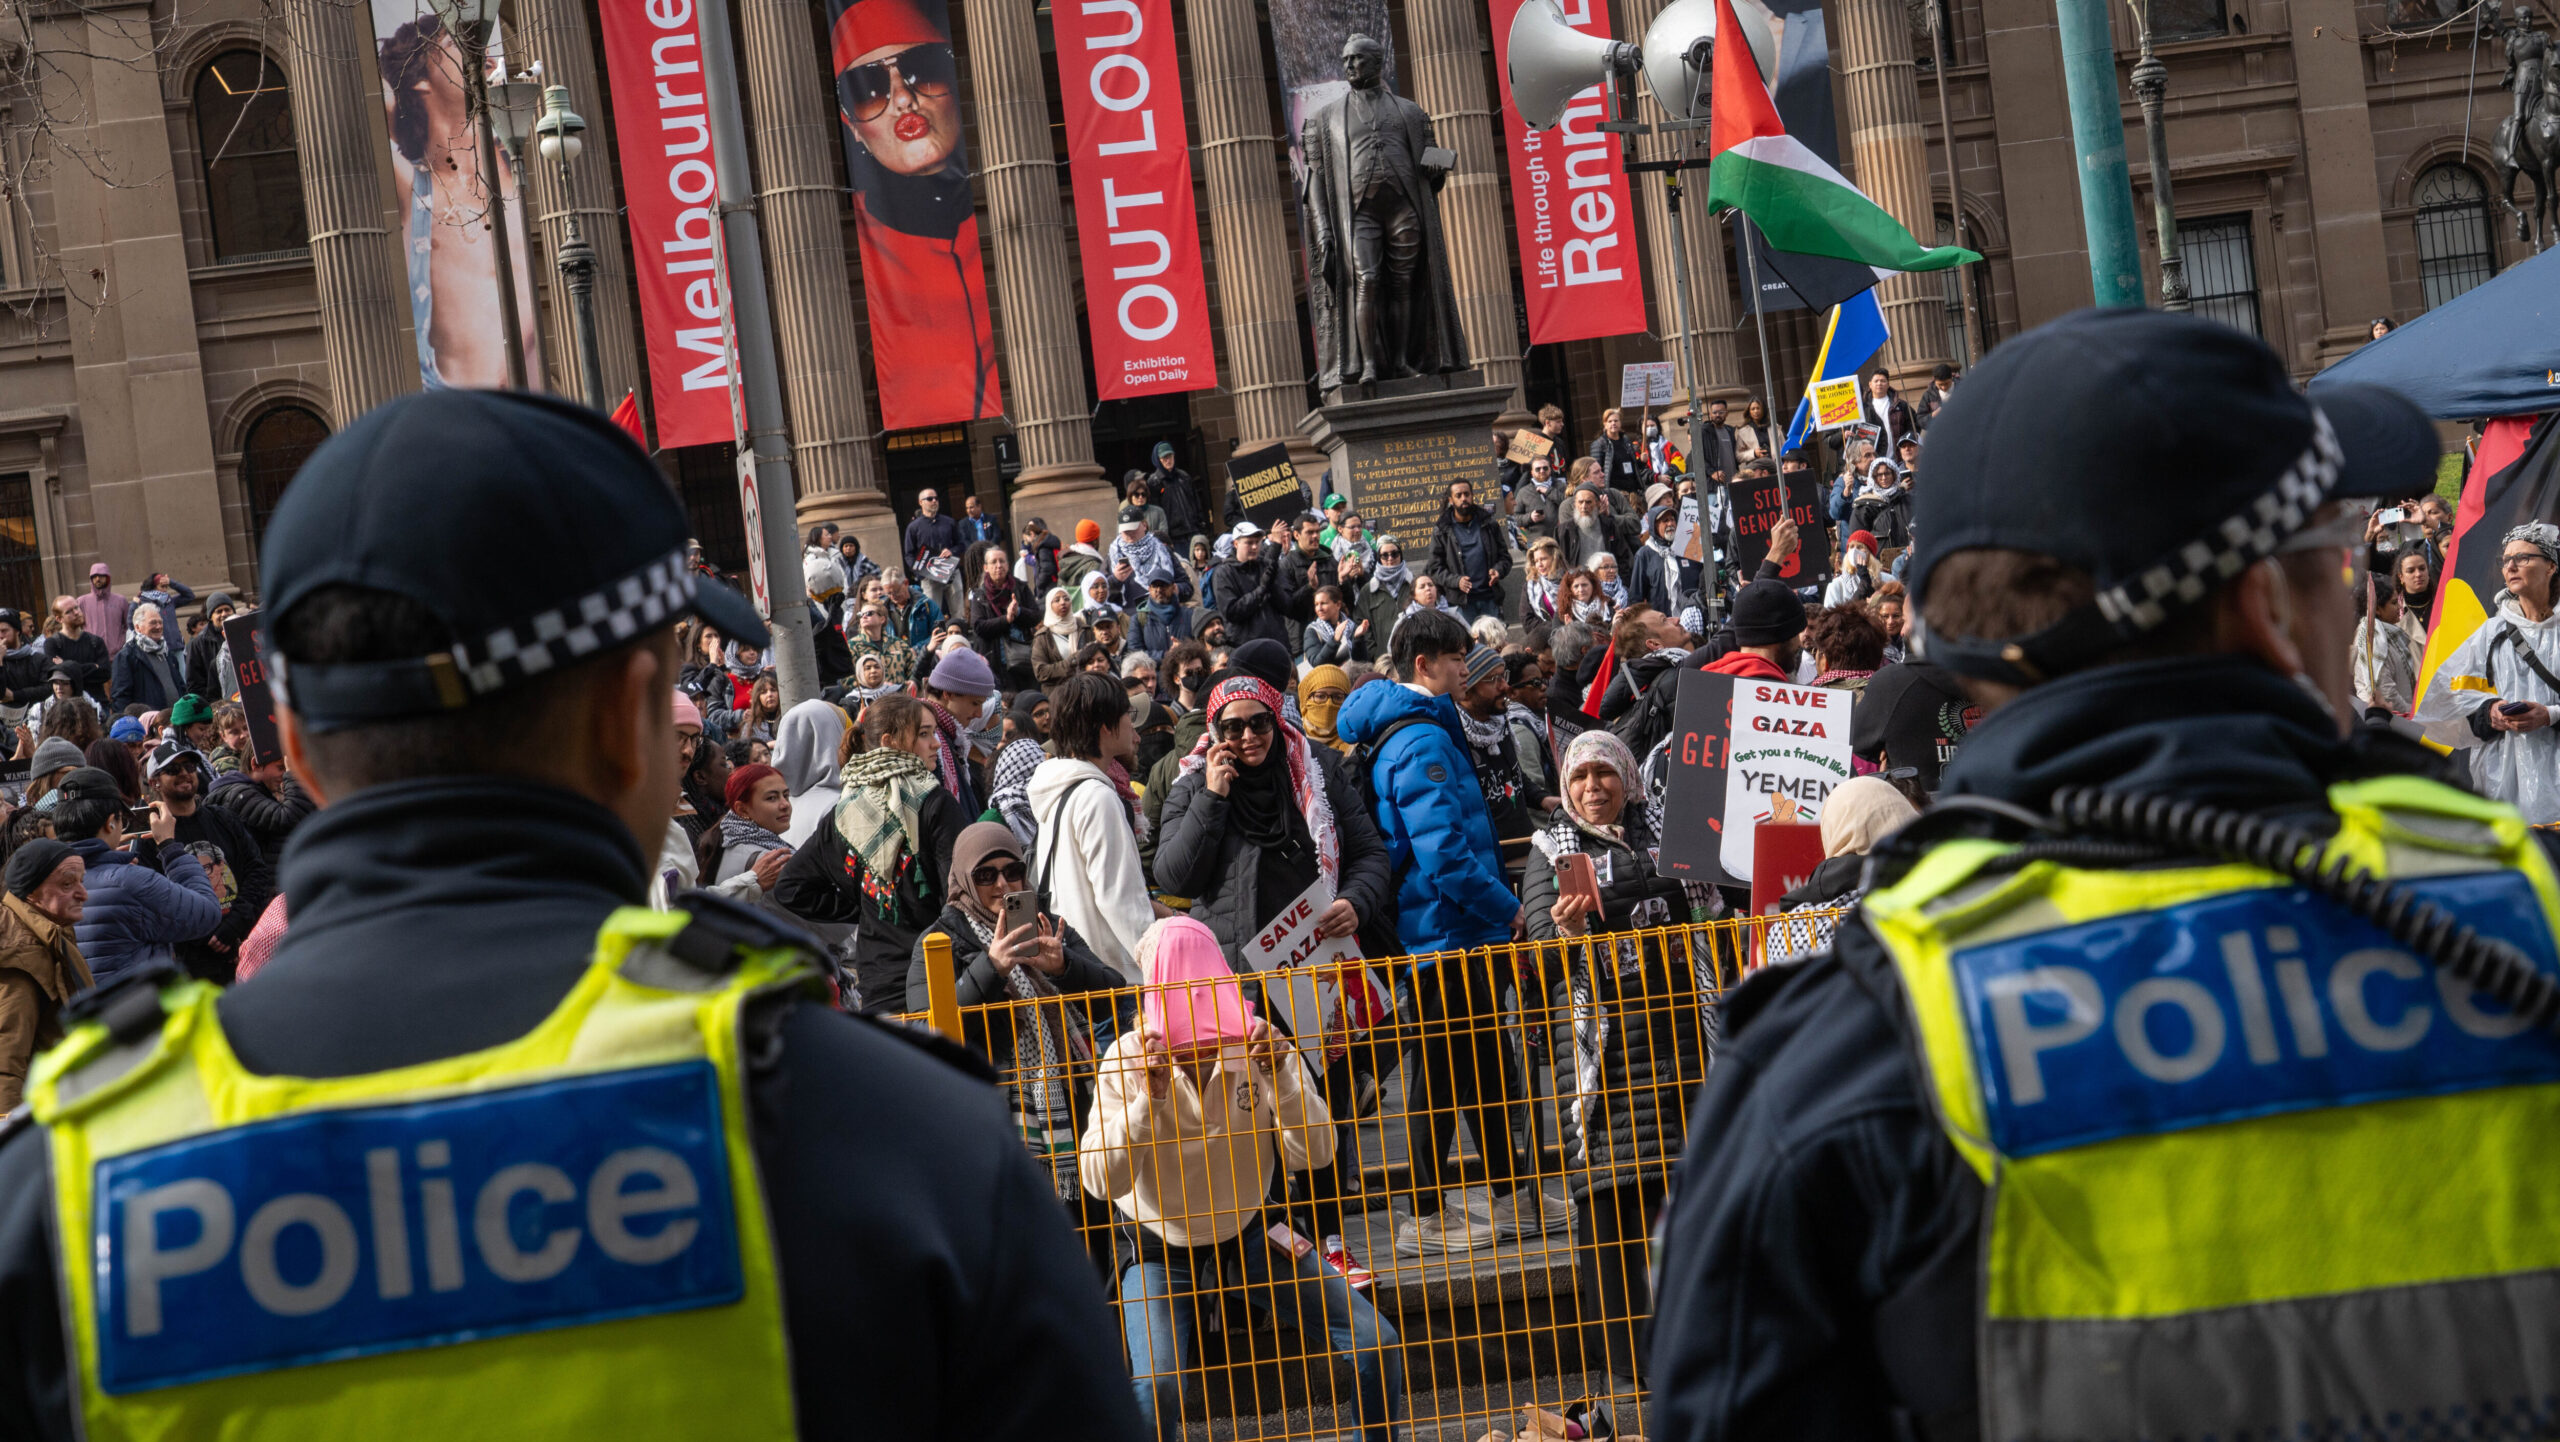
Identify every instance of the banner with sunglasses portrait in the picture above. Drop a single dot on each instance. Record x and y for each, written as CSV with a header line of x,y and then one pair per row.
x,y
653,60
898,98
448,241
1145,294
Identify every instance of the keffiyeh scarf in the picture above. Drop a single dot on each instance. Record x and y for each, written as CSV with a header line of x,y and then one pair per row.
x,y
1306,782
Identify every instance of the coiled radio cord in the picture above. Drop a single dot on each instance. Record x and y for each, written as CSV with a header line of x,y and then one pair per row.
x,y
2493,967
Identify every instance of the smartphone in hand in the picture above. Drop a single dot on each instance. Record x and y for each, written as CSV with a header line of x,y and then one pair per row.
x,y
2514,708
1577,881
1021,909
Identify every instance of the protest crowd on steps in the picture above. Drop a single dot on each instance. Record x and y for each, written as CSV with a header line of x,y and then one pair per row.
x,y
1168,726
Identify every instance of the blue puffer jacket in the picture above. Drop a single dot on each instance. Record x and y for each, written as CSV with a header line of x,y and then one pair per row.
x,y
135,913
1450,891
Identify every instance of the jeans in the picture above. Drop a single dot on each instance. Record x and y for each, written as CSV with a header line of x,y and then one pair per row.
x,y
1160,1311
1485,600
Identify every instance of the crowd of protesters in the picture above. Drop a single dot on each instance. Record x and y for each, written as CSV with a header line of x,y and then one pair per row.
x,y
140,826
1165,734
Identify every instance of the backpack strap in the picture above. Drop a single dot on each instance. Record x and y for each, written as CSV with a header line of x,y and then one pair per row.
x,y
1040,868
2507,637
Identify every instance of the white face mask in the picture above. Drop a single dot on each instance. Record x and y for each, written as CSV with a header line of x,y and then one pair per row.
x,y
1857,555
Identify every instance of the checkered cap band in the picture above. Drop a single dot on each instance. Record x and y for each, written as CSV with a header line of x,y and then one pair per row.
x,y
2194,569
594,622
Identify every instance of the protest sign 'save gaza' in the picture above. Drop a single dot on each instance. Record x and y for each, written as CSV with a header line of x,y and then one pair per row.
x,y
1744,752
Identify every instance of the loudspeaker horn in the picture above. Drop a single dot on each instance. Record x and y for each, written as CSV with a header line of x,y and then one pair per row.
x,y
1678,53
1551,62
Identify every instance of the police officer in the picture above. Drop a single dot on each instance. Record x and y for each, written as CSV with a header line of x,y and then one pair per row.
x,y
2108,1116
486,1149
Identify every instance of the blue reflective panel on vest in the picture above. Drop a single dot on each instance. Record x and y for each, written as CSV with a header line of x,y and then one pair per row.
x,y
2239,1005
340,1233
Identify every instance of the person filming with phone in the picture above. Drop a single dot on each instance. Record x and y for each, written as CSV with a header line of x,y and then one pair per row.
x,y
1007,947
2494,697
145,899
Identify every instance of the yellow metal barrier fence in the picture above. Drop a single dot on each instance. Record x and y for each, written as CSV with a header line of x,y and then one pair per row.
x,y
1497,1286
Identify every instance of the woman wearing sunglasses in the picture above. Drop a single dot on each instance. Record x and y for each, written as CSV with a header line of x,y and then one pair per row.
x,y
1042,1047
1258,815
897,91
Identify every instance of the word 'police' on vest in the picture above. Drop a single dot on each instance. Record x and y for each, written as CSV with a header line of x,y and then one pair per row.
x,y
2237,1005
339,1233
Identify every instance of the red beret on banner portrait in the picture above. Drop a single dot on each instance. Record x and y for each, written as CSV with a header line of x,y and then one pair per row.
x,y
869,25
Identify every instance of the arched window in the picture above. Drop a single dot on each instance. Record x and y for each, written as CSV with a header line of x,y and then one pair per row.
x,y
279,442
2455,251
252,183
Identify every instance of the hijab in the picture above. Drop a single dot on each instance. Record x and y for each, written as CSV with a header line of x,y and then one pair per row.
x,y
1288,781
1061,626
804,750
979,842
1319,719
1603,747
1089,603
1862,811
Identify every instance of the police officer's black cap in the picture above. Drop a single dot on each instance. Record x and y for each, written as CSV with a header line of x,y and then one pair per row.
x,y
534,529
2162,454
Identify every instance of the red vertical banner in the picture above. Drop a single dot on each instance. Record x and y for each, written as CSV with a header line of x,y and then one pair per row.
x,y
933,344
1146,300
662,130
1569,204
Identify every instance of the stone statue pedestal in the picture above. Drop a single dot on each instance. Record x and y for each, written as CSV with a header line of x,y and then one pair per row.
x,y
1395,454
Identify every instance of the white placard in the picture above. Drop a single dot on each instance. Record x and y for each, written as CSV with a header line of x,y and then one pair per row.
x,y
1788,749
1645,383
1325,991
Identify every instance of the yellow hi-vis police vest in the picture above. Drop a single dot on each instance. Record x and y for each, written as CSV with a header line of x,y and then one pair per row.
x,y
2255,1171
562,1236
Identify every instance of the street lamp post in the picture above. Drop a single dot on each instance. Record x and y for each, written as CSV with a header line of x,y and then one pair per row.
x,y
2151,87
558,133
470,22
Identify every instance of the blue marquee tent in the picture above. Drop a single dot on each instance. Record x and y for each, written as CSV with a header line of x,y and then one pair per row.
x,y
2494,350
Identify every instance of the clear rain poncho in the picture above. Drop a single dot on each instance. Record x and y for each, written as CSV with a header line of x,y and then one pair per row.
x,y
2497,664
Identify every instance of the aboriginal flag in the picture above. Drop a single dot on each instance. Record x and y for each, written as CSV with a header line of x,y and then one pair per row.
x,y
2520,457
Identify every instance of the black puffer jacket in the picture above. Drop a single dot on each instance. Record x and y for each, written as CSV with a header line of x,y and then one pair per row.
x,y
1821,1264
1641,1034
1201,855
990,1033
270,812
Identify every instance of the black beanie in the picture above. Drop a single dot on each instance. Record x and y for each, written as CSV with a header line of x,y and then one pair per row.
x,y
1767,613
31,863
1265,660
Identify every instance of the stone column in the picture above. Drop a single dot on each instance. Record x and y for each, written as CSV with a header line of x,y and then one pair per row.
x,y
2346,206
1044,361
1448,82
1711,308
1249,230
799,185
355,266
1890,152
555,32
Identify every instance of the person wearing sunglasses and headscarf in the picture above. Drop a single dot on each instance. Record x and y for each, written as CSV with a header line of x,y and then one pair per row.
x,y
1259,815
1042,1049
897,92
1641,1034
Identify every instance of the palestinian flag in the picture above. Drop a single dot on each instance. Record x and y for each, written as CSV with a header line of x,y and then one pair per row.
x,y
2515,478
1800,203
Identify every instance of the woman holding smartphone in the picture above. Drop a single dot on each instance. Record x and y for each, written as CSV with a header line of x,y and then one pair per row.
x,y
1640,1029
1258,815
1042,1046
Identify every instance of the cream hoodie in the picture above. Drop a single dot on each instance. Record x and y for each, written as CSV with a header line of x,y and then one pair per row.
x,y
1088,855
1195,1167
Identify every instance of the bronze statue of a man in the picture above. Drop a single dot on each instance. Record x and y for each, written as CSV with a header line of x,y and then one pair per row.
x,y
1382,300
2528,58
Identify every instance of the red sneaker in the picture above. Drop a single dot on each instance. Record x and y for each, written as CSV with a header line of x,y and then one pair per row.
x,y
1340,1259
